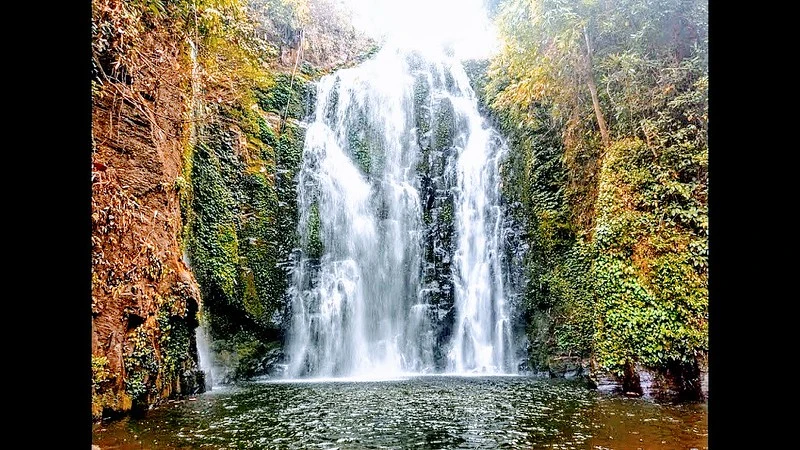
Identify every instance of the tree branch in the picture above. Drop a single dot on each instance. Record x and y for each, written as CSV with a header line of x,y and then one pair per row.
x,y
601,121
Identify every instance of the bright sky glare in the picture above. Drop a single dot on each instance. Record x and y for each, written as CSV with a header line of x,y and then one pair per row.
x,y
423,24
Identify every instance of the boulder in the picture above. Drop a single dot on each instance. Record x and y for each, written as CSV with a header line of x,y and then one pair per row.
x,y
193,381
676,382
568,367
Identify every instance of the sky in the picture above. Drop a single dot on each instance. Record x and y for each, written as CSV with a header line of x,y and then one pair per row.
x,y
463,24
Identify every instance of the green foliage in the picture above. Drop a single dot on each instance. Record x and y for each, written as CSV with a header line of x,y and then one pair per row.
x,y
244,214
230,53
100,372
265,132
633,44
477,72
617,266
292,14
289,157
559,291
233,236
652,284
175,341
239,206
103,395
214,247
141,365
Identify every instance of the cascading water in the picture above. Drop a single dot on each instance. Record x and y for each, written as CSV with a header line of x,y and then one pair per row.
x,y
361,304
482,332
401,268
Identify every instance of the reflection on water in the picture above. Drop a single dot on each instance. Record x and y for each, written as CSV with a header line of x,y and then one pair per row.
x,y
421,412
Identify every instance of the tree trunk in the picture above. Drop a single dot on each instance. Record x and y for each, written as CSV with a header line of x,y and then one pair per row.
x,y
601,121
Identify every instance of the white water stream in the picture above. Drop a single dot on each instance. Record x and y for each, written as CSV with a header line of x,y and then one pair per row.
x,y
362,309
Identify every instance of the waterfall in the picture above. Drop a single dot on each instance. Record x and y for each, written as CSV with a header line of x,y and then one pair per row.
x,y
395,156
196,112
482,331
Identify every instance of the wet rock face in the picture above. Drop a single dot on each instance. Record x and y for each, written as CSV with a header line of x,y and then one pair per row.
x,y
606,383
144,297
703,366
677,382
680,381
193,381
434,130
272,363
568,367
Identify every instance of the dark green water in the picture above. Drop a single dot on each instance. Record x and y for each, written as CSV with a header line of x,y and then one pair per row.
x,y
421,412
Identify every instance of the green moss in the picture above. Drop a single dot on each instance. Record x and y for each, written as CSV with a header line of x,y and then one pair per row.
x,y
422,112
141,367
309,70
244,220
315,247
184,188
477,72
258,246
447,213
289,158
102,378
287,97
365,142
444,126
265,132
243,115
359,149
359,139
290,147
174,337
244,354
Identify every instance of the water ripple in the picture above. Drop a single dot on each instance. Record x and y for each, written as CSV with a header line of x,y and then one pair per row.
x,y
421,412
